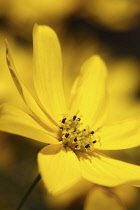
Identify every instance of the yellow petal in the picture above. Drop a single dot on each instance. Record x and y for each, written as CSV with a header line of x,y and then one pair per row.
x,y
27,97
102,199
89,92
48,71
15,121
106,171
59,168
124,135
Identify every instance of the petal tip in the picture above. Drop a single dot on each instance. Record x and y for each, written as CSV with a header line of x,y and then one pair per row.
x,y
40,29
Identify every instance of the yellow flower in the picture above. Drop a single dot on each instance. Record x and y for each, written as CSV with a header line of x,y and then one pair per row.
x,y
50,11
77,130
102,198
115,15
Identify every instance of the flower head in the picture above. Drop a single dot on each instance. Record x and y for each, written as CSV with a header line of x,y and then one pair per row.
x,y
75,131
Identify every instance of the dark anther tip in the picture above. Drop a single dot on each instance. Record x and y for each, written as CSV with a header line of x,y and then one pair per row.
x,y
87,146
66,135
74,117
63,120
94,141
92,132
75,139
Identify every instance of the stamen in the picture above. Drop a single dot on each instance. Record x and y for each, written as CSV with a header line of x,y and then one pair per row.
x,y
66,135
63,120
75,136
92,132
74,117
94,141
87,146
75,140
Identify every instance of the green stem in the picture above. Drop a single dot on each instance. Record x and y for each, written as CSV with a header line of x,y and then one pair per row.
x,y
37,179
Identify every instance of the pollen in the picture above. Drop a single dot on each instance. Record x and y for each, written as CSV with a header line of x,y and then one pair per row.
x,y
73,135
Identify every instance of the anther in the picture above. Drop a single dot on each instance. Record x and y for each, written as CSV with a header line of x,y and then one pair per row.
x,y
74,117
87,146
63,120
94,141
66,135
79,119
61,128
76,146
84,130
75,139
92,132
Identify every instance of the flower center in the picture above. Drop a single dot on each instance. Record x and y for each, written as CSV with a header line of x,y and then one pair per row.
x,y
74,136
